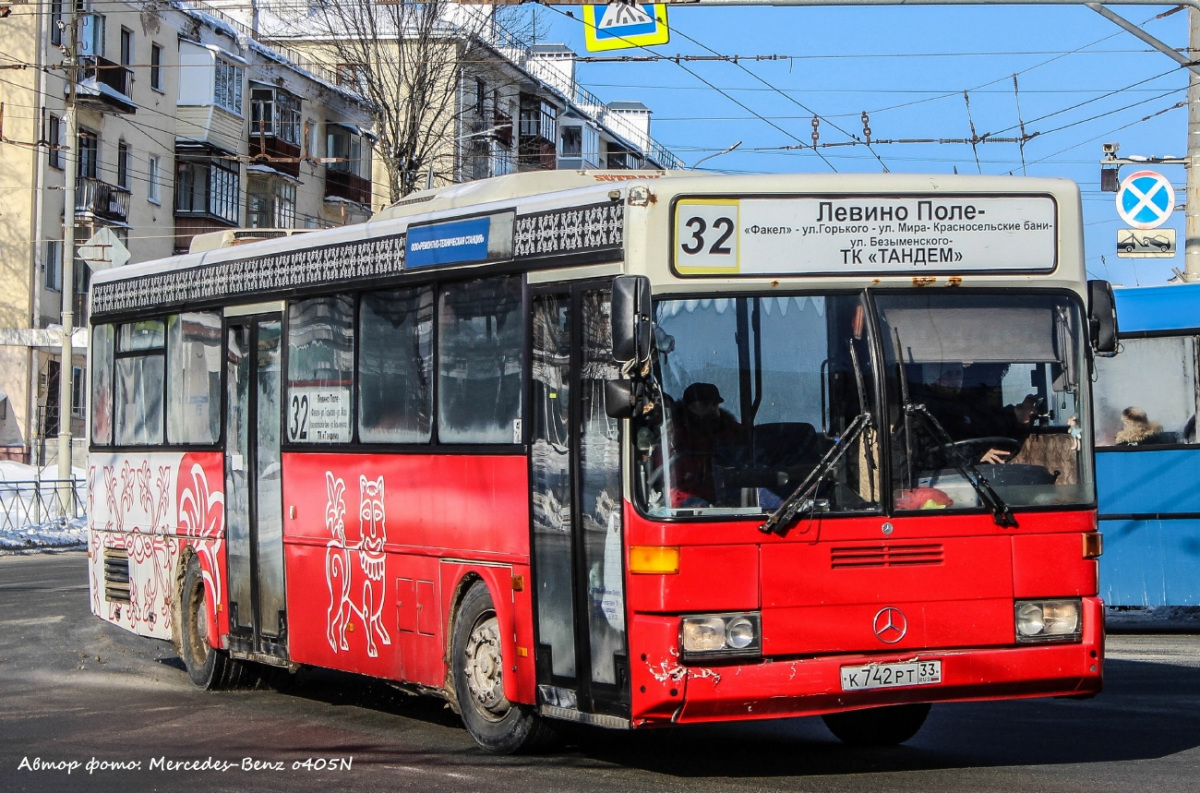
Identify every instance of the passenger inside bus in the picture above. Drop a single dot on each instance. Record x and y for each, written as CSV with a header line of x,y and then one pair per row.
x,y
701,428
1137,429
972,414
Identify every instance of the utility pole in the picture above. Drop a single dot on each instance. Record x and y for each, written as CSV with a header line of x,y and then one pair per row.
x,y
1191,225
66,369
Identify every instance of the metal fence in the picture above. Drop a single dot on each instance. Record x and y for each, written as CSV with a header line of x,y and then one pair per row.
x,y
40,503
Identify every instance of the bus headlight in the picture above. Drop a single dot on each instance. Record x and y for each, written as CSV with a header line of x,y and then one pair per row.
x,y
716,636
1048,620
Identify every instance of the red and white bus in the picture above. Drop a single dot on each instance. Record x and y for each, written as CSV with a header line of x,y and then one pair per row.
x,y
630,449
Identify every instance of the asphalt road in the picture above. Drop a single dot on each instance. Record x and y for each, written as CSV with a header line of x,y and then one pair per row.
x,y
75,690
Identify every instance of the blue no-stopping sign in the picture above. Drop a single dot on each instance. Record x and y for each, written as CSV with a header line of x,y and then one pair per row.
x,y
1145,200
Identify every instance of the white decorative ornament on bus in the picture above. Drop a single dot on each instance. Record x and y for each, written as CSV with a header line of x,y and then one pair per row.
x,y
202,517
340,573
136,516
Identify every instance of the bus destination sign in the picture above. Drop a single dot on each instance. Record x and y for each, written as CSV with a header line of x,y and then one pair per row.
x,y
865,235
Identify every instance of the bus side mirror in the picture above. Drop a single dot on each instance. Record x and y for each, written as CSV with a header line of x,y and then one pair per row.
x,y
1102,317
631,319
620,398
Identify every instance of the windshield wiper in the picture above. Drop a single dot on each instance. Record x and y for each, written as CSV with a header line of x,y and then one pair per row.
x,y
802,496
1001,513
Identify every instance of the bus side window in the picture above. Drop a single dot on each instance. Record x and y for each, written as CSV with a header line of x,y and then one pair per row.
x,y
138,391
1167,400
102,396
395,366
479,361
320,370
194,378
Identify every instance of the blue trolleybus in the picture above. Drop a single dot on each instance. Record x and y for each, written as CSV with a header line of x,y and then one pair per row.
x,y
1148,460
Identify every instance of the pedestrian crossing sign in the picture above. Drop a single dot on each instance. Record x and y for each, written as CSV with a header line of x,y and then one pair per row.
x,y
621,25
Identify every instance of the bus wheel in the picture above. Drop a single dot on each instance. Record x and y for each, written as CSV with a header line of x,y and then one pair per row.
x,y
877,726
496,724
208,667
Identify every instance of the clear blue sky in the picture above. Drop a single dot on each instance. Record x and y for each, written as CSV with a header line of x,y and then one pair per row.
x,y
1081,81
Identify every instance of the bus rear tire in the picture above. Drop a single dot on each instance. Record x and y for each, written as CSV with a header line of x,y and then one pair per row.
x,y
497,725
208,667
886,726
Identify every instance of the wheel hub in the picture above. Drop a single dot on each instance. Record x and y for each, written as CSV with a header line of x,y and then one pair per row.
x,y
485,670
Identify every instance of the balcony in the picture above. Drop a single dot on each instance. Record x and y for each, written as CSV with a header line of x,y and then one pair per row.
x,y
277,153
104,85
100,199
340,184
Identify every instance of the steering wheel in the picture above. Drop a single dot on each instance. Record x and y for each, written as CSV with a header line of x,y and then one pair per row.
x,y
974,448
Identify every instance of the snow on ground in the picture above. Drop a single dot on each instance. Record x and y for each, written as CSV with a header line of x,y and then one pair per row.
x,y
18,533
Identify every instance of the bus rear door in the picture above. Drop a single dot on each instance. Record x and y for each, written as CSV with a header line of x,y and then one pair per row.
x,y
253,477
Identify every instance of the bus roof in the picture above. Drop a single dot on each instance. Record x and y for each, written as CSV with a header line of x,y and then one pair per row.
x,y
555,219
1152,309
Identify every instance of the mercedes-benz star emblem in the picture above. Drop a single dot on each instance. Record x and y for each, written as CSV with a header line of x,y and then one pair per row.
x,y
890,625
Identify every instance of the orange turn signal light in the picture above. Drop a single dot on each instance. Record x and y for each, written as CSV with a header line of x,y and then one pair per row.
x,y
651,559
1093,544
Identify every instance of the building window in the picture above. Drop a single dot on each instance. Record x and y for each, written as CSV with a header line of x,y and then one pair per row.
x,y
124,159
227,89
56,18
154,177
572,141
53,265
78,393
345,147
53,141
126,46
207,187
81,274
156,67
270,203
89,155
275,114
352,77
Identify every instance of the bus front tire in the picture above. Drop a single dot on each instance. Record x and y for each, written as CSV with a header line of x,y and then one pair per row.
x,y
497,725
886,726
208,667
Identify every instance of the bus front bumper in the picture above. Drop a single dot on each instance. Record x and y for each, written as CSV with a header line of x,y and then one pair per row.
x,y
666,692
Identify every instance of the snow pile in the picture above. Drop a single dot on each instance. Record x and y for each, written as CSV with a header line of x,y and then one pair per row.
x,y
19,533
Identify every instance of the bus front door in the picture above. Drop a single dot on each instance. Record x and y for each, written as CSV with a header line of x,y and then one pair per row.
x,y
253,495
582,652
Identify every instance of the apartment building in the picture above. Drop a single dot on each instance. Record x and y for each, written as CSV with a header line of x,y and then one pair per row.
x,y
184,125
508,106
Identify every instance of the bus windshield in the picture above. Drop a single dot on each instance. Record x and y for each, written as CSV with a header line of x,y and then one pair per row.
x,y
990,382
754,389
757,391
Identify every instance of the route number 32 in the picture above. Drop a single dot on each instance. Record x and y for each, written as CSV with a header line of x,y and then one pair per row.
x,y
706,236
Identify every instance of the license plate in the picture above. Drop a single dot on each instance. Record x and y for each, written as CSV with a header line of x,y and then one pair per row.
x,y
911,673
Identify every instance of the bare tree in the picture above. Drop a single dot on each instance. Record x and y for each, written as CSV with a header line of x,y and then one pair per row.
x,y
407,59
